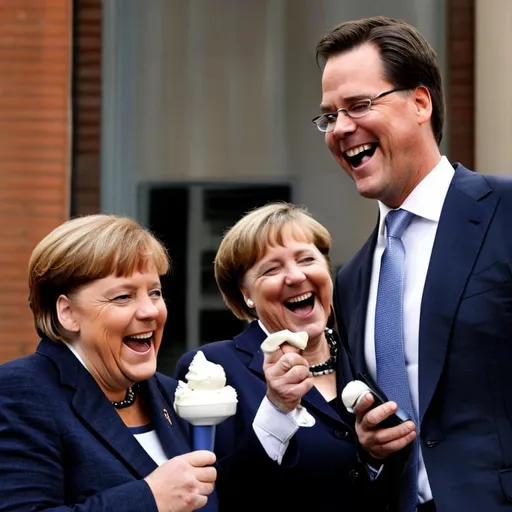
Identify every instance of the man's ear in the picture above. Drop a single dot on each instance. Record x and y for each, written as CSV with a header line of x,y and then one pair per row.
x,y
65,314
423,102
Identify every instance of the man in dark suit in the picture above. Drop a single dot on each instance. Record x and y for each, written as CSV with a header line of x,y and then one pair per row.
x,y
442,286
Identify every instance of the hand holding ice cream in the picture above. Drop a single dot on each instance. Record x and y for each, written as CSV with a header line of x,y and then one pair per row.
x,y
183,483
276,339
377,415
204,400
356,390
286,370
353,393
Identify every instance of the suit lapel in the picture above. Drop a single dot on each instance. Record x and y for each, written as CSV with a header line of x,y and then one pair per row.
x,y
92,406
364,276
313,400
465,218
164,419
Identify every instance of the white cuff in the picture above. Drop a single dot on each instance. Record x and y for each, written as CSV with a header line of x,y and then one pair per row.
x,y
274,429
374,473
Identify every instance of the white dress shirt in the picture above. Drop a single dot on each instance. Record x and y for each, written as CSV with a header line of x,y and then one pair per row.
x,y
426,202
148,438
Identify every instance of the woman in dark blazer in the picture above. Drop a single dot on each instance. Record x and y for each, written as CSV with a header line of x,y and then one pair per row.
x,y
86,423
291,445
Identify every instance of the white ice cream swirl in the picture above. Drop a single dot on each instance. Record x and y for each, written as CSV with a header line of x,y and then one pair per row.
x,y
203,374
206,384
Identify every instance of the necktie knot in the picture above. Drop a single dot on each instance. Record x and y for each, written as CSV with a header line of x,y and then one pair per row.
x,y
397,222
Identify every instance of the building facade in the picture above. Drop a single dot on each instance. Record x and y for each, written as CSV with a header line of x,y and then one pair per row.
x,y
183,114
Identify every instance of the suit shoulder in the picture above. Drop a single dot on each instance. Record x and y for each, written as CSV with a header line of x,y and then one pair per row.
x,y
166,380
214,352
499,183
502,186
217,347
348,270
30,387
33,370
167,385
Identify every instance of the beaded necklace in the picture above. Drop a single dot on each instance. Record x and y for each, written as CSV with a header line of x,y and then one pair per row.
x,y
328,366
128,400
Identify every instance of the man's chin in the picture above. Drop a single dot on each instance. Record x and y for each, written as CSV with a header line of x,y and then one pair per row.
x,y
366,189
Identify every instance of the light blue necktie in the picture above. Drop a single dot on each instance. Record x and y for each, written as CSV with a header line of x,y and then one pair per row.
x,y
389,340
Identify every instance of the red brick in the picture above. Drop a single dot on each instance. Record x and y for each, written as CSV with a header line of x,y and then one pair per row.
x,y
35,85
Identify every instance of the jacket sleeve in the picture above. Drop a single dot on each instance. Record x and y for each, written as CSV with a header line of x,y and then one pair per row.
x,y
33,462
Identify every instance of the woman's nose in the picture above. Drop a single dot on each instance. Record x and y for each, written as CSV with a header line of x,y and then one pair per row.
x,y
294,276
147,309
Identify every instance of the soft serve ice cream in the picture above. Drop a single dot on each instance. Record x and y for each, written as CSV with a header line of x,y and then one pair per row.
x,y
205,399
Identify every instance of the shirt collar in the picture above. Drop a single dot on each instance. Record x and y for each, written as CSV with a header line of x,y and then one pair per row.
x,y
76,354
427,198
263,328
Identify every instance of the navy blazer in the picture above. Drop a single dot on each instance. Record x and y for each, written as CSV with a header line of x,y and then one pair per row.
x,y
465,346
62,444
320,470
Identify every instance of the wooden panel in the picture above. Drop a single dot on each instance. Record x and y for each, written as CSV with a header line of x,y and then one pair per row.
x,y
87,107
460,84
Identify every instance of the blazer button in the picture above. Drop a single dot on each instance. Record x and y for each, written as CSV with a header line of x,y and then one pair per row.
x,y
353,475
340,434
431,444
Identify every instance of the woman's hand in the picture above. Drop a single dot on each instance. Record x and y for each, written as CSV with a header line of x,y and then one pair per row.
x,y
288,377
183,483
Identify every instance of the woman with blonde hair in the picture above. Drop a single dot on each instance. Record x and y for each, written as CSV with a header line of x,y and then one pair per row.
x,y
86,423
291,436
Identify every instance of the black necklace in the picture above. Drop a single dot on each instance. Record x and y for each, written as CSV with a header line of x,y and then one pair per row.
x,y
129,398
330,365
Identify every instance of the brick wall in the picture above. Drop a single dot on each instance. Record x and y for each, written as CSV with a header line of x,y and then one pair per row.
x,y
39,102
35,53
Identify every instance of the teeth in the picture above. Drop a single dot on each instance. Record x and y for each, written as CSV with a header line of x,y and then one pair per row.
x,y
144,336
359,149
299,298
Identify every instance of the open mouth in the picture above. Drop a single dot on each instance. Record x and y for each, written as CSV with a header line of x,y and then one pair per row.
x,y
139,342
301,304
360,154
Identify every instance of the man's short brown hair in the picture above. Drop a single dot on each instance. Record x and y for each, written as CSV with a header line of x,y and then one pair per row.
x,y
408,59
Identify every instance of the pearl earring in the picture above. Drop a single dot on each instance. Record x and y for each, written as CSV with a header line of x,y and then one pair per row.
x,y
250,303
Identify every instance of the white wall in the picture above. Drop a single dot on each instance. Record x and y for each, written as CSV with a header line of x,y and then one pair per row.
x,y
493,77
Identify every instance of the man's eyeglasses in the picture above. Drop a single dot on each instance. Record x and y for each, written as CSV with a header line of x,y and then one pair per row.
x,y
327,122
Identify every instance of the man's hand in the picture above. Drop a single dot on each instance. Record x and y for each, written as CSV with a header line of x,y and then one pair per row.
x,y
381,442
288,377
